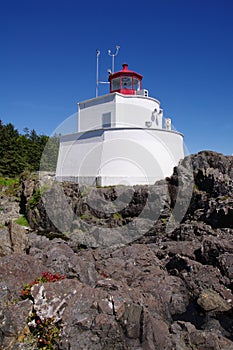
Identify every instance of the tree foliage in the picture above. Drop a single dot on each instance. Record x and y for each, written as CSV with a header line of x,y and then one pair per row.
x,y
27,151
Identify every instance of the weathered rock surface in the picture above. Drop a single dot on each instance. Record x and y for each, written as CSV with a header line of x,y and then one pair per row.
x,y
13,239
210,300
168,287
9,208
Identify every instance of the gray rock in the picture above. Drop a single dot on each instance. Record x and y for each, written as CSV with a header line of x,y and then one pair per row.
x,y
186,337
14,322
13,238
226,264
9,208
16,270
135,259
209,300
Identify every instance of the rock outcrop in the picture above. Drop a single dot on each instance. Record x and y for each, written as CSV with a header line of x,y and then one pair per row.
x,y
167,287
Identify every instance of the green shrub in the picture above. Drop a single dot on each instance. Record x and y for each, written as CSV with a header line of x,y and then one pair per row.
x,y
84,217
36,197
5,181
11,185
22,221
34,200
117,216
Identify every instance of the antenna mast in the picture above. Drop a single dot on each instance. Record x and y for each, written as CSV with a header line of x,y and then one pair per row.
x,y
97,68
97,72
113,55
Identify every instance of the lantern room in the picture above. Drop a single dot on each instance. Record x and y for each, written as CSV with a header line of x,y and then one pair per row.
x,y
125,81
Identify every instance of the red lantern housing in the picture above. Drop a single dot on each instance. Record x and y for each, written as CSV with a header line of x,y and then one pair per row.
x,y
125,81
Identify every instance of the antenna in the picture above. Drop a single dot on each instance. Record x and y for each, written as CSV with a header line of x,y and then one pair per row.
x,y
113,56
110,71
97,72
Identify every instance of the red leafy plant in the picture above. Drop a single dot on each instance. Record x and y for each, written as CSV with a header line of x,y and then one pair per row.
x,y
45,277
44,333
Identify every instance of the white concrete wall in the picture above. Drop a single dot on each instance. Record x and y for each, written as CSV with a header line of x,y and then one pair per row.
x,y
136,111
120,156
80,155
126,111
139,156
91,112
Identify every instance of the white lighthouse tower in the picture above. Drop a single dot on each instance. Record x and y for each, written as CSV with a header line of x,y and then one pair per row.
x,y
121,138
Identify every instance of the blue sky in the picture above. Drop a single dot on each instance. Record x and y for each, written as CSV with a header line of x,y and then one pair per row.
x,y
183,48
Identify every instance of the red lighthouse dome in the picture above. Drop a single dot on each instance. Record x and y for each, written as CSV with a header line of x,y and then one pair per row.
x,y
125,81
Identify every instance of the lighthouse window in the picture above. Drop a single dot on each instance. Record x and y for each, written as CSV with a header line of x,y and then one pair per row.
x,y
106,120
126,82
115,84
136,84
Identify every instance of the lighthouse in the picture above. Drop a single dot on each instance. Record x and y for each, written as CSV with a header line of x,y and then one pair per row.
x,y
122,138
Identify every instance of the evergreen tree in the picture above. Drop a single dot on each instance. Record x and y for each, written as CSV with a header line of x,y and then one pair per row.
x,y
19,152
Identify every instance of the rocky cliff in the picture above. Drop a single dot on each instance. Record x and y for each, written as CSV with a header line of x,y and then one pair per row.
x,y
144,267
